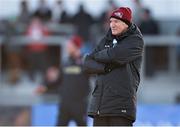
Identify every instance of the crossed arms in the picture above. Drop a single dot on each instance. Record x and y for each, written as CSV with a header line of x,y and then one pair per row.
x,y
100,61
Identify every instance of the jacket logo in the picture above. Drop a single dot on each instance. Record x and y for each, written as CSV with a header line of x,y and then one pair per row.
x,y
72,70
124,111
114,42
107,46
118,14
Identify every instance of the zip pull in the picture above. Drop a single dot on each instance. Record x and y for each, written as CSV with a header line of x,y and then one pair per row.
x,y
98,112
114,42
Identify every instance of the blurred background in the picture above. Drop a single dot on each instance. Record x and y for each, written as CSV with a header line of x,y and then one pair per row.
x,y
33,37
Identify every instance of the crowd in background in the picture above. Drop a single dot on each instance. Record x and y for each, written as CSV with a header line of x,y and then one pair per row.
x,y
90,29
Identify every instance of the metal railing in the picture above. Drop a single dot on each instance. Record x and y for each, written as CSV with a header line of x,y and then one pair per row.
x,y
164,40
170,41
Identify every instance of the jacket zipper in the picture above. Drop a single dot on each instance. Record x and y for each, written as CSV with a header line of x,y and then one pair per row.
x,y
98,112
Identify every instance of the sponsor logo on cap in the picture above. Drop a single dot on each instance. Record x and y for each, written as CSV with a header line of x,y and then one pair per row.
x,y
118,14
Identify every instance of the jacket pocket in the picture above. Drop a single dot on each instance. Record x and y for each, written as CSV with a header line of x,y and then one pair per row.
x,y
118,91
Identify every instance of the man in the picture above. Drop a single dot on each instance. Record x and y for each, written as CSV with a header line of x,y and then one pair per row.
x,y
75,87
83,22
149,26
73,84
116,61
37,50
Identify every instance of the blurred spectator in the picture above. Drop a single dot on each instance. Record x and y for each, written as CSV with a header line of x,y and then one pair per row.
x,y
104,18
37,50
83,21
75,87
149,26
24,16
57,10
138,8
65,18
59,13
13,61
52,81
43,11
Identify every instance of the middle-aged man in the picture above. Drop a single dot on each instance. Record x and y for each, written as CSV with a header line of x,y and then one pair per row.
x,y
116,61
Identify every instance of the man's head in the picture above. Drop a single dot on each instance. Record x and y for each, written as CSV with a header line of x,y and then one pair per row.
x,y
73,46
146,14
120,20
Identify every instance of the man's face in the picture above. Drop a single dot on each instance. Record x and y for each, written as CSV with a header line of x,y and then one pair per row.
x,y
72,50
117,26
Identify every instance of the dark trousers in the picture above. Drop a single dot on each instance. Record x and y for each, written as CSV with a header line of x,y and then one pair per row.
x,y
112,121
71,112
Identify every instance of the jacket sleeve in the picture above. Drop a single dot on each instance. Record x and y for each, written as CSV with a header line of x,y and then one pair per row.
x,y
97,48
90,66
122,53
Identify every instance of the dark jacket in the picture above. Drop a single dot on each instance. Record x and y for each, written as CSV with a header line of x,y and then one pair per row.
x,y
118,74
75,84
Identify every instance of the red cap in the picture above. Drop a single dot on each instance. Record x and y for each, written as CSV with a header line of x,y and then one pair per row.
x,y
123,13
77,41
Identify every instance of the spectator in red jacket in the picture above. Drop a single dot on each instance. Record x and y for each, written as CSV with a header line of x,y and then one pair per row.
x,y
37,49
